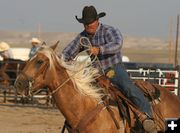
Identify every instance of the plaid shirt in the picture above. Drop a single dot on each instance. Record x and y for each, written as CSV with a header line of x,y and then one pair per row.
x,y
107,38
33,51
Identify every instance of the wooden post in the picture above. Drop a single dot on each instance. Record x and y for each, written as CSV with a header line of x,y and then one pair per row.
x,y
170,42
178,93
176,48
39,31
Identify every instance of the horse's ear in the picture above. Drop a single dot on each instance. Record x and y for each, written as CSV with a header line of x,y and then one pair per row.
x,y
44,43
55,45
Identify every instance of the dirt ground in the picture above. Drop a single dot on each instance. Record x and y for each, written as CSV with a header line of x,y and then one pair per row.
x,y
23,119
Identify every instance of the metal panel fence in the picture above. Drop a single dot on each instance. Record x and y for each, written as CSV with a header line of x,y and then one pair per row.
x,y
163,74
166,78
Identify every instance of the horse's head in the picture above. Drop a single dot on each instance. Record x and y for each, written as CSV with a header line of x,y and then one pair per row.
x,y
35,74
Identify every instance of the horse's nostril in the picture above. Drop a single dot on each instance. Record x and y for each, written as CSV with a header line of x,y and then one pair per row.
x,y
22,84
19,83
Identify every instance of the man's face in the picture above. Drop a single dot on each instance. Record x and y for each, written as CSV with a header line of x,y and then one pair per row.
x,y
34,43
91,28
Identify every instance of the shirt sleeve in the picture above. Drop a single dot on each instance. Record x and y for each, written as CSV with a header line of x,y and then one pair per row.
x,y
72,49
113,41
7,54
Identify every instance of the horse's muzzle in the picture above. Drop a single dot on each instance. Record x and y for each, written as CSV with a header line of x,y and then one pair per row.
x,y
22,84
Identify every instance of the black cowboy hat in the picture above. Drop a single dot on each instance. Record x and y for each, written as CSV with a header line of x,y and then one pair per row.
x,y
89,15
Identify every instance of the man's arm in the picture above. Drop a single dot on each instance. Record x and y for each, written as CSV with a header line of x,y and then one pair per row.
x,y
114,42
71,50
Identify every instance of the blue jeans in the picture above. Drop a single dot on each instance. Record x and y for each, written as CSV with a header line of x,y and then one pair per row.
x,y
120,78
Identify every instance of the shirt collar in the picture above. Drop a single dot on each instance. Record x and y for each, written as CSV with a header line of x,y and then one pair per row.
x,y
98,27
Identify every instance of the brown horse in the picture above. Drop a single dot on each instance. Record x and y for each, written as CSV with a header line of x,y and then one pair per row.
x,y
4,78
79,102
164,106
167,103
12,67
4,83
170,104
9,69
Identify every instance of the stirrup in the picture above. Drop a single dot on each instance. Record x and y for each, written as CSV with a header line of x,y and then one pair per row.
x,y
149,126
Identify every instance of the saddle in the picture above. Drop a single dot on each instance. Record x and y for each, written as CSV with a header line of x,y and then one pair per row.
x,y
123,103
151,91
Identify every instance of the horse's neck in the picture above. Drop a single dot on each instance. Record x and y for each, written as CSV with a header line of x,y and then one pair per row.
x,y
70,102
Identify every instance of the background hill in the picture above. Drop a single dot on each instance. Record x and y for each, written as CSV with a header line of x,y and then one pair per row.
x,y
138,49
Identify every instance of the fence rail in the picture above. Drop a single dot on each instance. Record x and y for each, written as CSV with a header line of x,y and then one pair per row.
x,y
168,79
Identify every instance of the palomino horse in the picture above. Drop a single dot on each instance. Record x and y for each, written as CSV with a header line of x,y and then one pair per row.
x,y
77,99
75,103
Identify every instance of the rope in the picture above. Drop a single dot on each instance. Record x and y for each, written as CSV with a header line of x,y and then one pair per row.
x,y
95,58
89,47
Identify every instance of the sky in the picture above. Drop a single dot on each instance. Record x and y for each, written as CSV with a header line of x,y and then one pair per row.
x,y
143,18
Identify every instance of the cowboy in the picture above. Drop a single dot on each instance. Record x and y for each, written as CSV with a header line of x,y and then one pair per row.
x,y
5,51
35,46
106,43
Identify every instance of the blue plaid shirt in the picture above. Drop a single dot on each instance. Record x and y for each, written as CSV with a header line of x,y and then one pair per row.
x,y
107,38
33,51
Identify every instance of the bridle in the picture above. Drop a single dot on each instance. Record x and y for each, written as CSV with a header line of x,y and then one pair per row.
x,y
31,80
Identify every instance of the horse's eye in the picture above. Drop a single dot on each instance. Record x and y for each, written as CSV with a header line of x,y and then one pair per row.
x,y
39,62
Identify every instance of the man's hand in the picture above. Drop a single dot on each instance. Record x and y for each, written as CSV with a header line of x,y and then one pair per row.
x,y
94,50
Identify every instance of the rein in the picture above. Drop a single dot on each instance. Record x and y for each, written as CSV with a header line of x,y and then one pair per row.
x,y
95,58
31,81
61,85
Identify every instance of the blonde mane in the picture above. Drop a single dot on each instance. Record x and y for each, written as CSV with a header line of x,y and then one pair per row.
x,y
82,74
83,77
